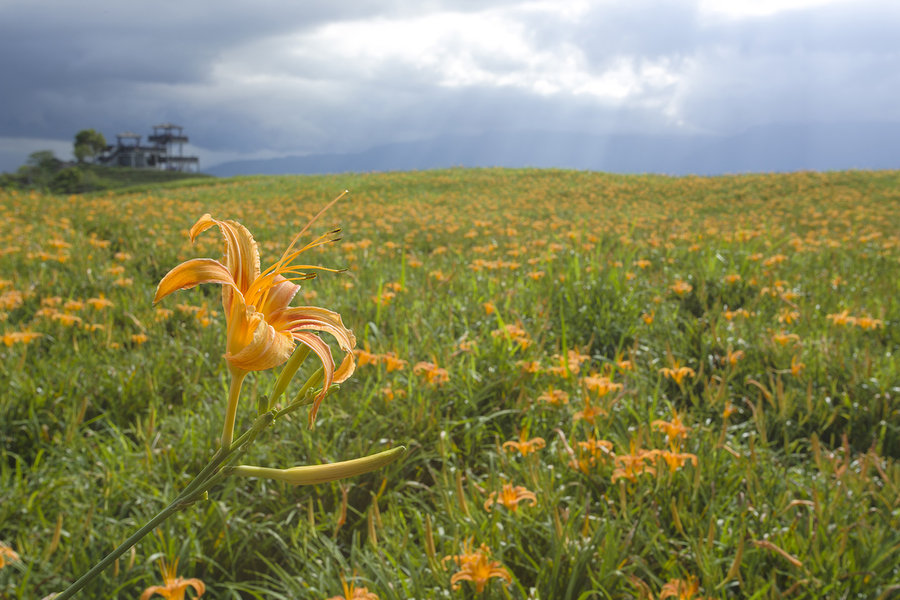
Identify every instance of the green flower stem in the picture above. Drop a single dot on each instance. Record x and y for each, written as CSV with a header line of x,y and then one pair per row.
x,y
164,514
234,392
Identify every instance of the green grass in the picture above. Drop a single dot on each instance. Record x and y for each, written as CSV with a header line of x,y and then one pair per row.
x,y
795,494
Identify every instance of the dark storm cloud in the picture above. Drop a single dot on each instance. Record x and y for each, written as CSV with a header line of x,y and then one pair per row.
x,y
280,77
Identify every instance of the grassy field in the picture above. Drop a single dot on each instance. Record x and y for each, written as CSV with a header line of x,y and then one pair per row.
x,y
691,386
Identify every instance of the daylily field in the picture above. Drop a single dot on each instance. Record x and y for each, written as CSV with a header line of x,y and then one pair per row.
x,y
608,387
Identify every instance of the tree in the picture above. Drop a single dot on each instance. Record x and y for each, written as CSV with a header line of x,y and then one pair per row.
x,y
88,144
39,168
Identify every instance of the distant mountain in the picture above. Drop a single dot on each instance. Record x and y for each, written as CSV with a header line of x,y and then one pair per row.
x,y
771,148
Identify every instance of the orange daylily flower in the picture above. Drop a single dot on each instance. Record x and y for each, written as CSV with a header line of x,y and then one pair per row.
x,y
525,447
675,429
510,496
7,555
351,592
477,568
173,587
261,326
677,372
680,589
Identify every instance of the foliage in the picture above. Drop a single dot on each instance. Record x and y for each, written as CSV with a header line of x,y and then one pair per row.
x,y
490,306
88,144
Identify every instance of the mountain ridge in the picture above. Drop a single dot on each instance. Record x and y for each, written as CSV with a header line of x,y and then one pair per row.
x,y
770,148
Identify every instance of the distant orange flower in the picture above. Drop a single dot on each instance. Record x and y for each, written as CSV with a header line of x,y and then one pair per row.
x,y
590,412
681,287
783,338
675,430
99,303
869,323
525,447
173,587
734,356
20,337
676,372
730,315
432,373
510,496
351,592
589,453
636,462
477,568
554,396
392,362
7,555
680,589
796,366
675,459
600,385
364,357
529,366
841,318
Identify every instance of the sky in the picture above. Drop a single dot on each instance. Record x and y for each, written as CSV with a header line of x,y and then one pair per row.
x,y
269,78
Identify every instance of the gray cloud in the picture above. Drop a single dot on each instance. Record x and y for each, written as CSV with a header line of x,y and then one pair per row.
x,y
280,77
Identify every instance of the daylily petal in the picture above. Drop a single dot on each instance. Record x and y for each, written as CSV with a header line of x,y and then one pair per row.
x,y
348,365
322,350
280,295
316,319
241,250
268,349
192,273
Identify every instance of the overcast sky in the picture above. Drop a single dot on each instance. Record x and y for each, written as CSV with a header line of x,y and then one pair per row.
x,y
267,78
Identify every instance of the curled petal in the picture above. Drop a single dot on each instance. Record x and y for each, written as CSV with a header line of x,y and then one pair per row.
x,y
241,250
317,345
192,273
313,318
348,365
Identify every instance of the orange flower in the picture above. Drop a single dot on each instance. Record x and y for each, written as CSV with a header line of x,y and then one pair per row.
x,y
783,338
869,323
601,385
364,357
681,287
351,592
20,337
510,497
675,430
680,589
633,464
261,326
7,555
392,362
842,318
554,396
477,568
590,412
433,373
173,587
734,356
675,460
676,372
525,447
